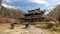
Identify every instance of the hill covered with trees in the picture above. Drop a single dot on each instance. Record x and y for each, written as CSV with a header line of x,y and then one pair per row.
x,y
7,14
55,13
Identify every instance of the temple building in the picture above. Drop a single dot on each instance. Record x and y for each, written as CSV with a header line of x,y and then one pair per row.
x,y
35,15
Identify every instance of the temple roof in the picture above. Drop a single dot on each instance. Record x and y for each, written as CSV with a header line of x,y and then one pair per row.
x,y
32,17
35,11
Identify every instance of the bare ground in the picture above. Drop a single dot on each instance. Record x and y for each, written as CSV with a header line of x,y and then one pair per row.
x,y
5,29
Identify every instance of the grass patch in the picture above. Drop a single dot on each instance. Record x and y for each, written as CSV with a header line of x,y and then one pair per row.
x,y
57,29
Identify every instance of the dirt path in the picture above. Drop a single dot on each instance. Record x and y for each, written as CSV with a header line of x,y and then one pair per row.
x,y
20,30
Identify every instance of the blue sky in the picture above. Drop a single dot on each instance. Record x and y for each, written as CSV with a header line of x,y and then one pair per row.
x,y
26,5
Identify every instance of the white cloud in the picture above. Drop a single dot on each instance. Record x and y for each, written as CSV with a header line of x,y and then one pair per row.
x,y
53,0
58,3
47,4
7,1
35,1
50,8
9,6
10,0
39,2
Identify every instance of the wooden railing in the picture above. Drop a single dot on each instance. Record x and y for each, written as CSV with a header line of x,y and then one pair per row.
x,y
34,22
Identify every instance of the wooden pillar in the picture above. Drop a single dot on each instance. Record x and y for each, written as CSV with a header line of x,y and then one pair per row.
x,y
0,4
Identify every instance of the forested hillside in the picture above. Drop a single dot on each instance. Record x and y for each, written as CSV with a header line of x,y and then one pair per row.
x,y
55,13
7,14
